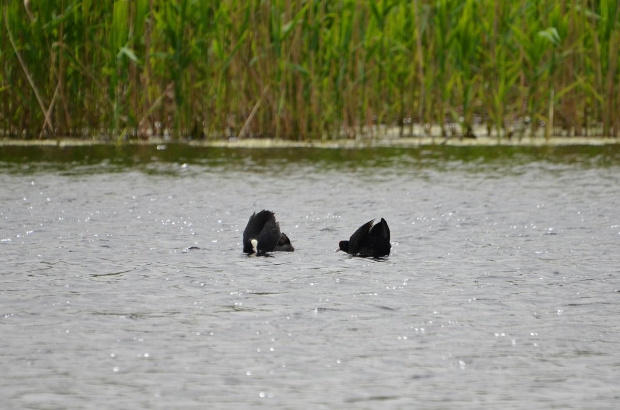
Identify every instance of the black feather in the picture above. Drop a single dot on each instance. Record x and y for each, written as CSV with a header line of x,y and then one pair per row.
x,y
284,244
369,240
263,228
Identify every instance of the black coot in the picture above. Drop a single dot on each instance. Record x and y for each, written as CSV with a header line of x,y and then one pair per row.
x,y
369,240
262,234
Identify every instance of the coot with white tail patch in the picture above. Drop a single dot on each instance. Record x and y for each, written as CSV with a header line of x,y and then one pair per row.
x,y
262,234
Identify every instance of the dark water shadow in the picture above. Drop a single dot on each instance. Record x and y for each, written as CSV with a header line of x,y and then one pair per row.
x,y
177,157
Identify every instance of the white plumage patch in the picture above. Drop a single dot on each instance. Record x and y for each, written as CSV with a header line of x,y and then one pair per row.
x,y
254,243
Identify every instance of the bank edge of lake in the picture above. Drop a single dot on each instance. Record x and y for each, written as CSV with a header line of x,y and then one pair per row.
x,y
260,143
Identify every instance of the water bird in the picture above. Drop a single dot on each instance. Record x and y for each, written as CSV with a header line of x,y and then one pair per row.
x,y
262,234
370,240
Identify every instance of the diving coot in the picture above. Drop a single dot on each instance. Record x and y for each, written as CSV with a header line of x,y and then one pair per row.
x,y
262,234
369,240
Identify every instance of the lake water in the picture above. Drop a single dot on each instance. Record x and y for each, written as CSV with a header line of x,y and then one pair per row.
x,y
502,289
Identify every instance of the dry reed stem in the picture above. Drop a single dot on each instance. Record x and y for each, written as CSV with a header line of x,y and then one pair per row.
x,y
48,120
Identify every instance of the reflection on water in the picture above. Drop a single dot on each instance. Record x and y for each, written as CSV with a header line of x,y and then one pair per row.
x,y
115,158
123,278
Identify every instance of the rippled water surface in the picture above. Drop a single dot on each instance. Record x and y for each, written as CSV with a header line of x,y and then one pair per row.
x,y
501,291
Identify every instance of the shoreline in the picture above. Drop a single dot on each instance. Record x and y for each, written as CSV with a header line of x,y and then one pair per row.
x,y
259,143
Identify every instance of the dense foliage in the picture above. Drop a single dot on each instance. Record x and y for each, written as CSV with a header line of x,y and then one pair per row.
x,y
307,69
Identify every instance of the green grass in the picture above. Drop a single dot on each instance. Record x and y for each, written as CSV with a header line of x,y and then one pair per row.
x,y
312,69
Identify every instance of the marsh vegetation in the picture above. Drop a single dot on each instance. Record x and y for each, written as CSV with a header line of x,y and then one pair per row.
x,y
313,69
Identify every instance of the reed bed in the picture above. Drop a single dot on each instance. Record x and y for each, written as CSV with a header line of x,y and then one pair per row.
x,y
313,69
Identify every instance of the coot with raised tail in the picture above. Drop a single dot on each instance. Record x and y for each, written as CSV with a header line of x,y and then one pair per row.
x,y
370,240
262,234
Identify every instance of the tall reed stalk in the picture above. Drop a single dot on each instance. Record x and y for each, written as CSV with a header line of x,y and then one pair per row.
x,y
308,69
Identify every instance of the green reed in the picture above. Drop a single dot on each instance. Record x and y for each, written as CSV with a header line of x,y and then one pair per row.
x,y
308,69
